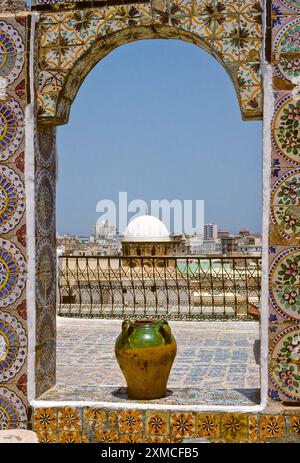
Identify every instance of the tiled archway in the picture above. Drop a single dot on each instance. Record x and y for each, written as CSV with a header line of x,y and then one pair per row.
x,y
71,42
70,39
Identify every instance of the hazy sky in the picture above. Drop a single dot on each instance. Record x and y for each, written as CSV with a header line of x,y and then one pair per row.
x,y
159,119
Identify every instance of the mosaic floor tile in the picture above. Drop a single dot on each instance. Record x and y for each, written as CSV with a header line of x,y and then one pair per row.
x,y
180,396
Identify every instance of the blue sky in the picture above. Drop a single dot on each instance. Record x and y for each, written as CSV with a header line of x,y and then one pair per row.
x,y
159,119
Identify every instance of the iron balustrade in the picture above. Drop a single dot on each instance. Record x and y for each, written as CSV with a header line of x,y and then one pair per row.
x,y
175,288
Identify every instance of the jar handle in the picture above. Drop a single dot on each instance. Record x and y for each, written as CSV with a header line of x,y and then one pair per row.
x,y
165,331
127,327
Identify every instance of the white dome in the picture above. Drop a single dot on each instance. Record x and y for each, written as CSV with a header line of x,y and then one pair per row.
x,y
146,228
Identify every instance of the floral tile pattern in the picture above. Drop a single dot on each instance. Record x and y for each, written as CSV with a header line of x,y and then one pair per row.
x,y
294,425
157,423
182,424
71,41
272,426
214,427
130,421
13,253
208,425
234,426
45,225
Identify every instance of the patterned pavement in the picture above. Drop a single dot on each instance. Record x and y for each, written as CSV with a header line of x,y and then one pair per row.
x,y
215,362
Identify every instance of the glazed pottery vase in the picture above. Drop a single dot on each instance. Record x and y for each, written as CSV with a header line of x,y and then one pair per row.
x,y
145,351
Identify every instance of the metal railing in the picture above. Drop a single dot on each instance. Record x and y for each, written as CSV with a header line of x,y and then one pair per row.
x,y
175,288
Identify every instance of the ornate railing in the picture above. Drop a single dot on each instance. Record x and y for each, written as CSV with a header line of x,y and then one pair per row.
x,y
226,288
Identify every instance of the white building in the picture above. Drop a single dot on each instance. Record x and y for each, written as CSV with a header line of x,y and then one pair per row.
x,y
199,246
250,245
195,244
211,247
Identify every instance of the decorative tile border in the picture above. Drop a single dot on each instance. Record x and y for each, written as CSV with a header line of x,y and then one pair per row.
x,y
233,34
155,426
72,41
13,253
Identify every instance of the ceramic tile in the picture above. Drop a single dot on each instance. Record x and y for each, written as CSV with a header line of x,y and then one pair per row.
x,y
283,7
13,329
284,344
293,425
284,266
45,366
287,221
14,367
182,424
130,422
234,426
45,324
284,377
97,415
285,303
208,425
251,6
286,188
149,439
253,428
14,406
130,438
272,426
45,420
69,419
106,436
69,437
46,437
157,423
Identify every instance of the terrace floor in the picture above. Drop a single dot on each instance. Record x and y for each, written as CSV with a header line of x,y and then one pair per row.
x,y
216,363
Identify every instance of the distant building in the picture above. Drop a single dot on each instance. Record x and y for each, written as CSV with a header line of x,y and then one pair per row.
x,y
194,244
210,247
223,234
250,244
210,231
146,236
230,244
85,246
179,244
244,233
201,247
243,243
103,230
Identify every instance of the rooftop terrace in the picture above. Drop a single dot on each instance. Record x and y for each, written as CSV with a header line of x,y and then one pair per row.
x,y
216,363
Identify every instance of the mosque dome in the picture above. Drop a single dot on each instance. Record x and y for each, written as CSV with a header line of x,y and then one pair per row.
x,y
146,228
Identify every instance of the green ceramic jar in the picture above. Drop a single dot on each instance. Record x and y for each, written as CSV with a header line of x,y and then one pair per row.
x,y
145,351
